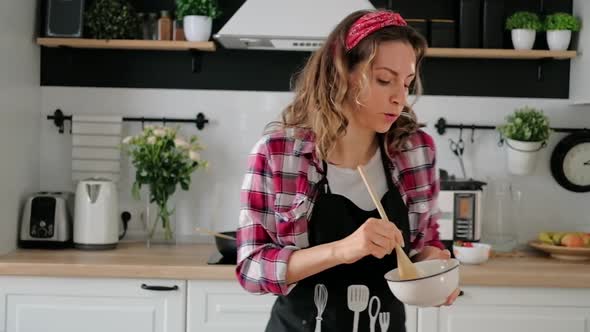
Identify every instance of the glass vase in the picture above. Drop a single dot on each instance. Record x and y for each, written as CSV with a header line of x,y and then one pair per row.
x,y
503,231
160,222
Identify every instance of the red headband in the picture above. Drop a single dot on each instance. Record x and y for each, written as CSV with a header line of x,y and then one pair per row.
x,y
369,23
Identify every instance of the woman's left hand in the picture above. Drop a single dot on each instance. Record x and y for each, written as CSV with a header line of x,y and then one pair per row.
x,y
429,253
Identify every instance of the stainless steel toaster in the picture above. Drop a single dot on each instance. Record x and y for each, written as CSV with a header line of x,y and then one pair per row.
x,y
46,221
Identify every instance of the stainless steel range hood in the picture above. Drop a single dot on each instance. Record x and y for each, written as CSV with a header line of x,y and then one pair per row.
x,y
294,25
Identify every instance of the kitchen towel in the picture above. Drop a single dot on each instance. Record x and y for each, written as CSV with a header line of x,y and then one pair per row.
x,y
95,147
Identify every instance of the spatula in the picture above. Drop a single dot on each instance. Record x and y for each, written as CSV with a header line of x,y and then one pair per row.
x,y
406,269
358,299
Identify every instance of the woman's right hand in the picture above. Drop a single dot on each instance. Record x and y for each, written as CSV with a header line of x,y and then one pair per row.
x,y
376,237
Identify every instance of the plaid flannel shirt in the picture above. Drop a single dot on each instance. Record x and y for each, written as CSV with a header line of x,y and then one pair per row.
x,y
277,200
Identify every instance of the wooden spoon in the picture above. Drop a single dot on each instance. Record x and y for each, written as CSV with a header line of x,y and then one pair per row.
x,y
406,268
210,232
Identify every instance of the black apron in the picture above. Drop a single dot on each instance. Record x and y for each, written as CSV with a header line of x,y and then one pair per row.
x,y
334,217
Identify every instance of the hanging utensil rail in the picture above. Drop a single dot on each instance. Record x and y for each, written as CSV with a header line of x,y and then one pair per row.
x,y
442,126
200,120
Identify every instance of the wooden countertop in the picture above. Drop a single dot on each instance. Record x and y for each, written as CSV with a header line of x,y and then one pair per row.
x,y
527,270
189,262
129,260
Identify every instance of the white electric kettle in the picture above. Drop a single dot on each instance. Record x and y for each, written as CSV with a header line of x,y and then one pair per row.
x,y
96,222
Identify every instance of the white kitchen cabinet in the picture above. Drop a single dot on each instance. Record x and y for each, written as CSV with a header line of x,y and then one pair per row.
x,y
91,305
223,306
220,306
492,309
31,304
427,320
411,319
514,319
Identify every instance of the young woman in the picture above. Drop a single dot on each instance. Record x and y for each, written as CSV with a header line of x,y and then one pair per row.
x,y
307,218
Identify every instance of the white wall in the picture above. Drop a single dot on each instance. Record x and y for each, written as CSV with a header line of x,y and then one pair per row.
x,y
581,63
19,114
238,119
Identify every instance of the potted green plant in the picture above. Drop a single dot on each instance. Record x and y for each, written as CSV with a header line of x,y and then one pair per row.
x,y
524,26
559,27
111,19
197,17
526,132
163,161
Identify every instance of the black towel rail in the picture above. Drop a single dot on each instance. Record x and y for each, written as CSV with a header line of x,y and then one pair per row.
x,y
59,119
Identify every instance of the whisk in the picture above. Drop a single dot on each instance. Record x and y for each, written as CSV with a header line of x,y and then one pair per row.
x,y
320,298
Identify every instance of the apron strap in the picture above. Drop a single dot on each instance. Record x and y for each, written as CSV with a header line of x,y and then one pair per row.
x,y
386,163
324,186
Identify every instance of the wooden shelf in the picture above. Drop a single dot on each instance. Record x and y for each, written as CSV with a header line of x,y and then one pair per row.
x,y
166,45
159,45
484,53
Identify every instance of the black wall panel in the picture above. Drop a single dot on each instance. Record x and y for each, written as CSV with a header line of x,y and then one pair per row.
x,y
220,70
273,70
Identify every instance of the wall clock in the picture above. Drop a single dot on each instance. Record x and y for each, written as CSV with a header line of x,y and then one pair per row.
x,y
570,162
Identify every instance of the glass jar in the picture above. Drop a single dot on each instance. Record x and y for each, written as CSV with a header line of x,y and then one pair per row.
x,y
507,213
143,30
152,23
518,215
178,33
165,26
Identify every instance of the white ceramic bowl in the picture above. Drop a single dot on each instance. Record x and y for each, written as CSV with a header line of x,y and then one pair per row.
x,y
479,253
439,279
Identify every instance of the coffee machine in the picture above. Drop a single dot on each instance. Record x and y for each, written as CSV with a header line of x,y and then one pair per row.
x,y
460,202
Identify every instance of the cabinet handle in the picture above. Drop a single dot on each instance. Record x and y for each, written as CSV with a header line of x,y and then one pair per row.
x,y
159,288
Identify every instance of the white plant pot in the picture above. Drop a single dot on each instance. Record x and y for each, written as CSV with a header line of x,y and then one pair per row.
x,y
523,39
522,156
559,40
197,28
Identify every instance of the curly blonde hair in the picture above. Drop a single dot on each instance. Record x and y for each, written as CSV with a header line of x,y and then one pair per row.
x,y
322,86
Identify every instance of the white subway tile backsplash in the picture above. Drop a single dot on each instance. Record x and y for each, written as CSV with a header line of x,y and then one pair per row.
x,y
237,120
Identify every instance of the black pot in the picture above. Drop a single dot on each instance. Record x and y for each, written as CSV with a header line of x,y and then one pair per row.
x,y
227,248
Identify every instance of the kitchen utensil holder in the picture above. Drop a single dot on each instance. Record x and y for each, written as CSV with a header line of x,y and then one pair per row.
x,y
200,120
442,126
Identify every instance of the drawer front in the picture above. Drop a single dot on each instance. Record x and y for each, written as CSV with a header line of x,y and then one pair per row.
x,y
73,305
224,306
489,318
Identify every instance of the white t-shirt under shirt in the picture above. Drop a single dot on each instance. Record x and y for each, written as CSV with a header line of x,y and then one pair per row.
x,y
348,182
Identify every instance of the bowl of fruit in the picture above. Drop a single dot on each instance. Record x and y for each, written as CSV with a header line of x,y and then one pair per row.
x,y
471,252
564,245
